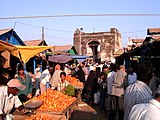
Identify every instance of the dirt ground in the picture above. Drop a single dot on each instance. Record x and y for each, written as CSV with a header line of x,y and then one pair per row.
x,y
85,112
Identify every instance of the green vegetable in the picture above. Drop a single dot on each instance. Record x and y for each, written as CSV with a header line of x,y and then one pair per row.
x,y
69,90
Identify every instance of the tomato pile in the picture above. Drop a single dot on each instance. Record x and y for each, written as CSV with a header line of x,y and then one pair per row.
x,y
74,82
54,101
39,117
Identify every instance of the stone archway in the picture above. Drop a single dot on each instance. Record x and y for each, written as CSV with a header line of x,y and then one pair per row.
x,y
94,47
102,44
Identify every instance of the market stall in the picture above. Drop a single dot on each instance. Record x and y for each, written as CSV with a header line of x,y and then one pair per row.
x,y
61,115
56,106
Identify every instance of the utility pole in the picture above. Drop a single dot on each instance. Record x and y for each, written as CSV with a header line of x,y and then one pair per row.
x,y
80,41
43,35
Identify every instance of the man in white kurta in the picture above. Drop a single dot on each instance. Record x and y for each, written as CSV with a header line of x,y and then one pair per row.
x,y
7,101
9,98
148,111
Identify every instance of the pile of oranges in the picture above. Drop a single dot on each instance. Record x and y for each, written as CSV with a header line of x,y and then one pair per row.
x,y
39,117
71,79
54,101
77,84
74,82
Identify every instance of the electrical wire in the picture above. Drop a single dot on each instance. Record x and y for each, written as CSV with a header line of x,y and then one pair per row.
x,y
82,15
59,30
47,35
70,31
29,24
44,27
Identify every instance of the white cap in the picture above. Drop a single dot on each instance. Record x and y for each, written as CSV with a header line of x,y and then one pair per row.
x,y
16,83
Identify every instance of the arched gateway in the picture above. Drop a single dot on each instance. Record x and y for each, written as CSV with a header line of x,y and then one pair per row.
x,y
100,45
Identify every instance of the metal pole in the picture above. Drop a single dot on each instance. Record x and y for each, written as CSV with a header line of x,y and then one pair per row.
x,y
80,53
42,33
80,40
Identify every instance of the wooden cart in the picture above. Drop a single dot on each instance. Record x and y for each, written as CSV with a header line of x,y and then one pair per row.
x,y
62,115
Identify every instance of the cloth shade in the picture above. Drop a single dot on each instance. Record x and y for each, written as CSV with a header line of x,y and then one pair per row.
x,y
10,48
27,52
22,52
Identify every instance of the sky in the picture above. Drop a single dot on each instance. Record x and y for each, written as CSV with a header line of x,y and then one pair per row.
x,y
60,30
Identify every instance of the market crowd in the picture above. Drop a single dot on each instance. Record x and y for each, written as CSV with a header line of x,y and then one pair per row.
x,y
124,94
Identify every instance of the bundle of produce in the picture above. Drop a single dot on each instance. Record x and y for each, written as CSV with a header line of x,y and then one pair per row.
x,y
69,90
54,101
39,117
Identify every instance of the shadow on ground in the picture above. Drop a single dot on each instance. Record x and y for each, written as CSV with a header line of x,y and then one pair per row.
x,y
85,112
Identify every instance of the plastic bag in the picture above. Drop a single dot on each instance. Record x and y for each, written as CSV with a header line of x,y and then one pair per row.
x,y
96,97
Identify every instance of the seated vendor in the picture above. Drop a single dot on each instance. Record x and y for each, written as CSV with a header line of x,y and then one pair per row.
x,y
9,99
62,82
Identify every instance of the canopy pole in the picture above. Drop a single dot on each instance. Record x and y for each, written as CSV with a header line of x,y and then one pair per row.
x,y
25,67
34,64
41,70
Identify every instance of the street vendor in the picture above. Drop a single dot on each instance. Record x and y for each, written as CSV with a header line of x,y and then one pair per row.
x,y
62,82
9,99
25,79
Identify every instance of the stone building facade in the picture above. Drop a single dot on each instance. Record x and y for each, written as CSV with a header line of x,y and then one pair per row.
x,y
100,45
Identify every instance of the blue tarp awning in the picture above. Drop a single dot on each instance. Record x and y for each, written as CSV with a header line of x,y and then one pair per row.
x,y
80,56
